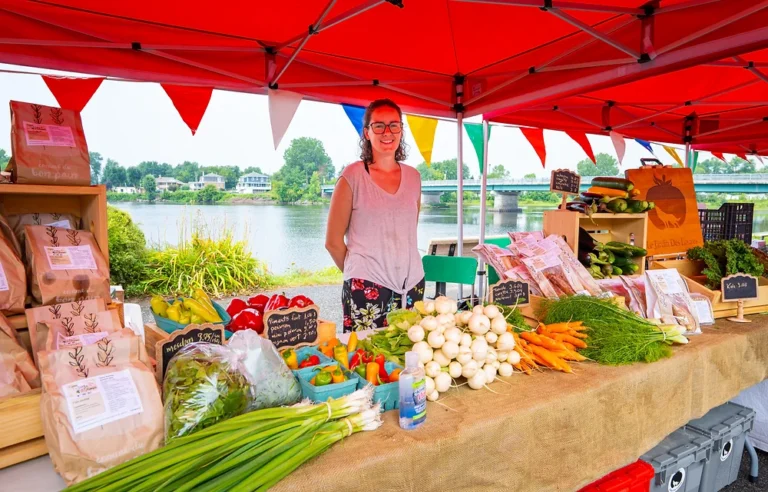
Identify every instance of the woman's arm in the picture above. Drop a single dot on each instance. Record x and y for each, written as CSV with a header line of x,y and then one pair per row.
x,y
338,222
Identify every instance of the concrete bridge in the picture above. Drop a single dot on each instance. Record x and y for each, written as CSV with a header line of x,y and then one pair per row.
x,y
506,191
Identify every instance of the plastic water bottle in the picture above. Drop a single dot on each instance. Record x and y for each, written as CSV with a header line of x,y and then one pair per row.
x,y
413,393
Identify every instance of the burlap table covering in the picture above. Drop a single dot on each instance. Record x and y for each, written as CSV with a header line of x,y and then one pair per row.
x,y
550,431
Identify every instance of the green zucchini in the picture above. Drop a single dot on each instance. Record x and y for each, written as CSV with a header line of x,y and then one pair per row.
x,y
622,262
636,206
617,206
614,183
633,251
617,271
633,268
617,250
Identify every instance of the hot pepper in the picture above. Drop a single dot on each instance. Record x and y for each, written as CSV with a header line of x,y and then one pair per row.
x,y
360,370
372,373
289,357
247,319
258,302
326,350
235,306
300,301
323,378
367,357
338,376
310,361
341,355
277,301
394,376
352,342
356,360
379,359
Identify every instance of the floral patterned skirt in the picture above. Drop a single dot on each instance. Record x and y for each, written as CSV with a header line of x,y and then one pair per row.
x,y
366,304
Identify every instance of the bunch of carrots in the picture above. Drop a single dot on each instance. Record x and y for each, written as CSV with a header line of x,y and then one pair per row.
x,y
550,346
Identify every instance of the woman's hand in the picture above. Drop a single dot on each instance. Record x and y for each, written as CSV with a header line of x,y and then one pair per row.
x,y
338,222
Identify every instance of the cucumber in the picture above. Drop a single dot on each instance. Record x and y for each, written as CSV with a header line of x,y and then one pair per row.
x,y
617,206
623,262
633,251
617,271
612,182
617,250
633,268
636,206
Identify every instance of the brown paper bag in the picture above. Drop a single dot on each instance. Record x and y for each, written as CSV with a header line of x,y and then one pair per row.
x,y
6,231
81,330
11,350
48,146
13,280
97,414
17,223
54,313
12,382
67,265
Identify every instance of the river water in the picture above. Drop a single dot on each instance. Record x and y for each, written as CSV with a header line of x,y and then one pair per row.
x,y
285,234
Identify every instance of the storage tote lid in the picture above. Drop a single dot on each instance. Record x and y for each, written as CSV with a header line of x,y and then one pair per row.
x,y
721,421
677,450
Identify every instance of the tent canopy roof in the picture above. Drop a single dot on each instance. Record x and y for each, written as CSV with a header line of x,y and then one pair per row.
x,y
511,54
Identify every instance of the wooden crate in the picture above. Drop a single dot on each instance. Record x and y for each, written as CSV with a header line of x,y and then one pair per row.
x,y
602,227
690,271
22,436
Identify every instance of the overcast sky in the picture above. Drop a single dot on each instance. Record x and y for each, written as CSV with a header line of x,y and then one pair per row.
x,y
134,122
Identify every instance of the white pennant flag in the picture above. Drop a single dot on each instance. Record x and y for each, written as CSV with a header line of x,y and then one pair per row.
x,y
619,145
282,107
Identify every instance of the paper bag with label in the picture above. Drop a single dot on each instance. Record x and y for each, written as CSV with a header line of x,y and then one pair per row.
x,y
17,223
55,313
67,265
13,280
48,146
669,300
87,329
100,406
15,358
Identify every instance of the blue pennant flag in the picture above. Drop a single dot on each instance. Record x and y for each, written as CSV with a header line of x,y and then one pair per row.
x,y
355,115
645,144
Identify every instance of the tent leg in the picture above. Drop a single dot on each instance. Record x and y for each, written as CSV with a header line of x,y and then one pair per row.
x,y
688,155
483,194
460,190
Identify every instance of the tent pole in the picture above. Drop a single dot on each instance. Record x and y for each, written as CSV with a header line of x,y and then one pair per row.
x,y
460,189
688,155
483,207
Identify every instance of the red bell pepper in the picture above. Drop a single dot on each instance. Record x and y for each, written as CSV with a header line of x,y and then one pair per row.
x,y
366,357
356,359
248,319
300,301
235,306
277,301
258,302
310,361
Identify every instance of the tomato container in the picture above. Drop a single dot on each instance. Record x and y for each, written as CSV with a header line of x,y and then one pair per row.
x,y
632,478
309,351
388,395
323,393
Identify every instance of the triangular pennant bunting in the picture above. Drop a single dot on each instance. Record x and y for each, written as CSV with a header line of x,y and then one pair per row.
x,y
423,131
645,144
694,160
190,101
619,144
72,93
743,156
581,139
475,133
282,107
719,155
355,115
673,153
535,137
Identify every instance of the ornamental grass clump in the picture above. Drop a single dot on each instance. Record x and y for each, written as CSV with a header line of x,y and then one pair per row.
x,y
249,452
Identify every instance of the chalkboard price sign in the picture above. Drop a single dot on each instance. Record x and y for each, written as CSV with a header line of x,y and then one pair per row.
x,y
166,349
738,287
565,181
294,327
510,293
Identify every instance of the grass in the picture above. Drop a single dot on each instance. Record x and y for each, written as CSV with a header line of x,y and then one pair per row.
x,y
300,277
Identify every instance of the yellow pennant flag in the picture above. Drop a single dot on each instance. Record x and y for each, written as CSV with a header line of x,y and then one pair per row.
x,y
423,131
674,155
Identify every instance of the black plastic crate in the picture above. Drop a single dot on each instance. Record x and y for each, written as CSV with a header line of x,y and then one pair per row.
x,y
730,221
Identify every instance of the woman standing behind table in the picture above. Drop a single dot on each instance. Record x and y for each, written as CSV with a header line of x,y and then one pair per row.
x,y
376,204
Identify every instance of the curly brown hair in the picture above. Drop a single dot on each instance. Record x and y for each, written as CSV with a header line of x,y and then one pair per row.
x,y
366,149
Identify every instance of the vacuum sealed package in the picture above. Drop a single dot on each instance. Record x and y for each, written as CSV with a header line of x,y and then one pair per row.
x,y
668,300
589,284
703,308
636,286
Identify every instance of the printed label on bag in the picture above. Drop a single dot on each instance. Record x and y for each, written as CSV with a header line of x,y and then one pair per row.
x,y
70,258
667,281
99,400
704,311
50,135
63,224
80,340
3,280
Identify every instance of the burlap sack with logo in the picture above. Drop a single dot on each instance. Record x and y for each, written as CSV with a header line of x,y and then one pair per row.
x,y
17,222
48,146
100,406
13,280
54,314
16,357
67,265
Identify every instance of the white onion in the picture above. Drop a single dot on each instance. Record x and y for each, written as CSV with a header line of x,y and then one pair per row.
x,y
491,337
442,382
479,324
432,369
440,358
499,325
505,342
505,369
454,369
450,349
469,369
416,333
491,311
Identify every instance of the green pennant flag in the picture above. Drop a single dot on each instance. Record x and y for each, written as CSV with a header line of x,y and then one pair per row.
x,y
694,160
475,132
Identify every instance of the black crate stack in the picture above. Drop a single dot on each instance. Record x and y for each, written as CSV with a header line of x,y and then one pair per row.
x,y
730,221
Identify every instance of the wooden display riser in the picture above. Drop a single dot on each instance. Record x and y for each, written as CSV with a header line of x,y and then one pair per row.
x,y
22,435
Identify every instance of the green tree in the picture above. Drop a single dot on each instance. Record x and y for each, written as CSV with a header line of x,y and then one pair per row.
x,y
290,187
530,176
127,251
308,155
149,185
607,165
4,158
498,172
209,195
186,171
114,174
133,176
442,170
313,191
96,162
253,169
429,173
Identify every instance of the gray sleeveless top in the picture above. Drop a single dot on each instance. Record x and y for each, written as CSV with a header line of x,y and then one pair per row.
x,y
381,238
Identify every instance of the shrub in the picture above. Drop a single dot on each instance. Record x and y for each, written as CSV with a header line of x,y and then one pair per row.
x,y
127,251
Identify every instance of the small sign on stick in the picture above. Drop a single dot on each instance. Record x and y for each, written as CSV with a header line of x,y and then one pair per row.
x,y
738,287
565,182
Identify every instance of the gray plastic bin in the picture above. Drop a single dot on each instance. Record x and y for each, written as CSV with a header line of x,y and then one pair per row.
x,y
727,426
678,461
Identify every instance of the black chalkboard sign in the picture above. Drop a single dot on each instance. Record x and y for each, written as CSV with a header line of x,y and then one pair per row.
x,y
166,349
565,181
738,287
294,327
510,293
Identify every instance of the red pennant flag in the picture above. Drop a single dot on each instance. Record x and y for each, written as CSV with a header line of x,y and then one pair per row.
x,y
191,102
581,139
72,93
535,137
719,155
743,156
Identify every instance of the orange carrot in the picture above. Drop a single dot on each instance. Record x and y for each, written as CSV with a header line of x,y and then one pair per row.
x,y
569,346
576,342
556,327
577,334
551,359
531,337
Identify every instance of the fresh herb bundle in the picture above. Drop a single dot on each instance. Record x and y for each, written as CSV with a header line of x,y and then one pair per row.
x,y
514,317
726,257
615,336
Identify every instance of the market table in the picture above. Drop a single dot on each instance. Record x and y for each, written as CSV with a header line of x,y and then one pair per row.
x,y
550,431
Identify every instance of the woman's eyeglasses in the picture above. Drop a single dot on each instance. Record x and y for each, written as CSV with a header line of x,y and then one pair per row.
x,y
380,128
